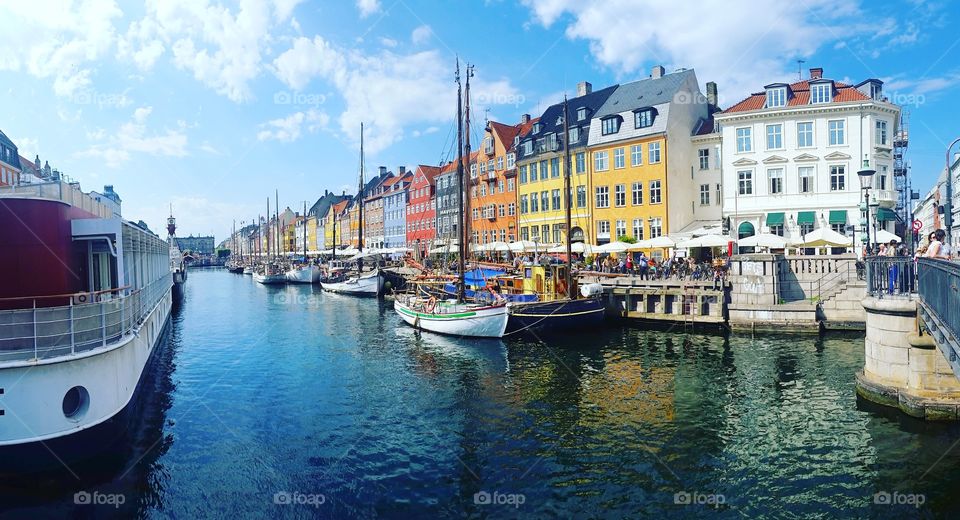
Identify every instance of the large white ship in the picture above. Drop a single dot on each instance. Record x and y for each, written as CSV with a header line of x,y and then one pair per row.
x,y
85,299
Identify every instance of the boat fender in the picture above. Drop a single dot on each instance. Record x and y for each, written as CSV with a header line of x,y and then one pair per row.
x,y
591,289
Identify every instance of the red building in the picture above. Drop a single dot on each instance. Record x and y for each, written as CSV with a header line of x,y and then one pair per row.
x,y
422,209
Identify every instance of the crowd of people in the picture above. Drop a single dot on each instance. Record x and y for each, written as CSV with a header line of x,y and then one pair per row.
x,y
650,268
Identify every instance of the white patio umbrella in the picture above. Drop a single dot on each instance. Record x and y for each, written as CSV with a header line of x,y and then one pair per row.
x,y
444,250
884,237
612,247
521,246
825,237
662,241
576,247
768,240
704,241
501,247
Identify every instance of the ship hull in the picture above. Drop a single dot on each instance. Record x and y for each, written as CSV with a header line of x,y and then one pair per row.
x,y
270,279
370,284
301,275
35,435
555,316
455,319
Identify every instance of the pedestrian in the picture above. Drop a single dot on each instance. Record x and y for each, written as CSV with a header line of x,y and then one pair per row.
x,y
937,249
629,265
893,271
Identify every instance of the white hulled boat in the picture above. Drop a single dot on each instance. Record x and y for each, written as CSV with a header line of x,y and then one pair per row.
x,y
303,274
366,284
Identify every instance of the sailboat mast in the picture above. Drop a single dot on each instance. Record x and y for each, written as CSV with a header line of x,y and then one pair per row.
x,y
277,223
304,231
567,195
267,224
360,196
460,216
466,235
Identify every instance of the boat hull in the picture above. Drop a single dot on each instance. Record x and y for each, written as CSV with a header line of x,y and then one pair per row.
x,y
456,319
370,284
270,279
555,316
35,435
301,275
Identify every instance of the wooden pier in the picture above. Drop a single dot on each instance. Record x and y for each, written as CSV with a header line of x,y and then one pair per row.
x,y
673,301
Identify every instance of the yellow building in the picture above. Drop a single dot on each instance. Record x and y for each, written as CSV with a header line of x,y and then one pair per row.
x,y
334,225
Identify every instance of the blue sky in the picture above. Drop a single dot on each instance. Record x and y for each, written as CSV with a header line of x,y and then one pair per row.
x,y
212,104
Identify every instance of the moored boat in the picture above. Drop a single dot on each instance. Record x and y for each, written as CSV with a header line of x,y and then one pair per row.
x,y
452,317
303,274
367,284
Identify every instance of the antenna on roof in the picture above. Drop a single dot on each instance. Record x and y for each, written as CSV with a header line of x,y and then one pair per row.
x,y
800,69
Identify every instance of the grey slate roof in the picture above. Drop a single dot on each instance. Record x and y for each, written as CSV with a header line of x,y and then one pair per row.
x,y
644,93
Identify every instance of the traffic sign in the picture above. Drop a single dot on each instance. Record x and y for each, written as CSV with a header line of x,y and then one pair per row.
x,y
917,225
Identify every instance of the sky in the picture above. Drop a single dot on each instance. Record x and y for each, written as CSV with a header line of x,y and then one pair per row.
x,y
211,105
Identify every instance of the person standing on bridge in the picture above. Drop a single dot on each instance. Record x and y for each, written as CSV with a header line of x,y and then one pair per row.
x,y
937,249
893,271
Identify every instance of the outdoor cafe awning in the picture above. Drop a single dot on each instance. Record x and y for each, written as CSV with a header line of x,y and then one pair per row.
x,y
806,217
886,215
838,216
775,219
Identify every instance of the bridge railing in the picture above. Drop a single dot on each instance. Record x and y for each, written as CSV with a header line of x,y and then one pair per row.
x,y
939,289
891,276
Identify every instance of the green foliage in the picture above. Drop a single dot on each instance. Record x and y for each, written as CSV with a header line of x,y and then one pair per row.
x,y
627,240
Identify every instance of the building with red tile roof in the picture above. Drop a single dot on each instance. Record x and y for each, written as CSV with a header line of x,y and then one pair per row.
x,y
421,209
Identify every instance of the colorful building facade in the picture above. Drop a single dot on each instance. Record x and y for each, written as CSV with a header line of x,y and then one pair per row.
x,y
421,209
493,184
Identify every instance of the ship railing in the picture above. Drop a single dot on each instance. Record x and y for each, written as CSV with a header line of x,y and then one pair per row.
x,y
41,333
61,191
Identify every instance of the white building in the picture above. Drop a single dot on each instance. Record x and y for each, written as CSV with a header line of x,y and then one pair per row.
x,y
790,156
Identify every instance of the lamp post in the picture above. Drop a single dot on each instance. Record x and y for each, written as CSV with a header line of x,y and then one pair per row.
x,y
866,176
948,210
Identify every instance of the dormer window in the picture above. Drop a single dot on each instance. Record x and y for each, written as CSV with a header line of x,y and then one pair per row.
x,y
610,125
552,142
644,118
581,113
560,120
488,145
821,92
536,128
574,136
776,97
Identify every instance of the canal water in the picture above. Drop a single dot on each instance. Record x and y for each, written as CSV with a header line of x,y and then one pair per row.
x,y
286,402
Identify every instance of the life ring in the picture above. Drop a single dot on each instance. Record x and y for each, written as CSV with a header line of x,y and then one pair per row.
x,y
497,297
431,305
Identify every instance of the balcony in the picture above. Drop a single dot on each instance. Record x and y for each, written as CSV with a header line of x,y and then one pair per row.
x,y
885,198
491,176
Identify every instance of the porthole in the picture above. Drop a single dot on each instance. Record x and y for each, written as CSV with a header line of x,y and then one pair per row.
x,y
75,402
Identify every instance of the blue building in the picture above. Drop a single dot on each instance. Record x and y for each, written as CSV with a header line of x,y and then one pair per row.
x,y
395,209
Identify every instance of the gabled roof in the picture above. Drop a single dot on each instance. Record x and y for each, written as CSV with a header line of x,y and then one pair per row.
x,y
322,206
548,120
5,142
339,207
643,93
429,172
842,93
451,167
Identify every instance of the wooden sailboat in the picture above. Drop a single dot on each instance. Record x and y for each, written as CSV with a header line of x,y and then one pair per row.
x,y
362,284
270,272
455,316
307,272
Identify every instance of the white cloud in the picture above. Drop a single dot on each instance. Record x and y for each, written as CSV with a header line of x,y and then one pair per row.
x,y
368,7
388,42
742,47
28,147
421,34
133,137
288,129
306,59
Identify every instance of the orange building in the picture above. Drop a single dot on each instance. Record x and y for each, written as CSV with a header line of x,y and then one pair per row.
x,y
493,178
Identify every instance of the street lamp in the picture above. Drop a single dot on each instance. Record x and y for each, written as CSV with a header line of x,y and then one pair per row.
x,y
866,176
948,210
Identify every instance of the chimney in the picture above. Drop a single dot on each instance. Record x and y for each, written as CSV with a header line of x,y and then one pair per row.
x,y
402,170
584,88
383,170
816,73
711,93
525,118
658,72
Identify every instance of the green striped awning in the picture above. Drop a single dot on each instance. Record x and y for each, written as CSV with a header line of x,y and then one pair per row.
x,y
775,219
838,216
886,215
806,217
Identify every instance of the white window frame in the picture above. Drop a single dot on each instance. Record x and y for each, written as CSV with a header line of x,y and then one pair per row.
x,y
775,174
821,93
636,155
619,158
653,153
777,97
602,197
775,133
744,139
744,183
600,161
837,135
812,141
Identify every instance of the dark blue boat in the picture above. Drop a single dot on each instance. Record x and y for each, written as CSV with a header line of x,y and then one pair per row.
x,y
551,317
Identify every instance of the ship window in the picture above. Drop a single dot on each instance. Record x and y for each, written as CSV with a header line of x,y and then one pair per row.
x,y
75,402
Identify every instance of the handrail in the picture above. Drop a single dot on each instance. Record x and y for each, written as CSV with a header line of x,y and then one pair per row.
x,y
67,295
891,276
938,285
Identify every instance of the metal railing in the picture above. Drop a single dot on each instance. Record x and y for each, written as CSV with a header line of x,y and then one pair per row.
x,y
891,276
938,284
57,190
49,332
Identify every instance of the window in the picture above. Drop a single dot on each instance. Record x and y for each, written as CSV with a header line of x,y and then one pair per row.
x,y
637,191
488,145
618,158
574,135
777,97
745,179
655,192
621,228
555,167
500,162
512,209
643,118
523,174
552,142
776,180
744,142
881,132
805,134
600,161
524,204
882,178
603,196
557,233
524,233
473,171
545,200
534,203
603,229
654,153
476,213
719,193
533,172
545,231
806,179
581,196
502,210
543,170
483,167
527,147
638,229
839,228
620,195
581,162
776,229
704,194
656,227
838,178
490,165
536,128
581,114
535,233
636,155
836,132
483,190
821,93
610,125
774,137
511,160
704,156
499,186
511,184
555,195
